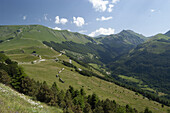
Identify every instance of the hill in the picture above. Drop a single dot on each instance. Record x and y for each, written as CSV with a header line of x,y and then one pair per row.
x,y
12,101
27,46
81,47
124,37
11,73
40,33
107,48
167,34
149,63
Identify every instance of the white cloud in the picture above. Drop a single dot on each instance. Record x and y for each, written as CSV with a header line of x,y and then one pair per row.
x,y
45,17
115,1
60,21
152,10
103,18
79,21
99,5
102,31
110,9
56,28
83,31
63,20
24,17
57,20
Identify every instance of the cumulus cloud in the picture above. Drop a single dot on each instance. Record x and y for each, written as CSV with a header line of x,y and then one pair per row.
x,y
103,18
152,10
60,21
103,5
115,1
110,9
99,5
57,28
102,31
63,20
79,21
24,17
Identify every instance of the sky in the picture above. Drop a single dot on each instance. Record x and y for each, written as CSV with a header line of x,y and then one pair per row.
x,y
90,17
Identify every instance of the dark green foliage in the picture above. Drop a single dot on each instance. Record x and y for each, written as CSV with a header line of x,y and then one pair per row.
x,y
98,109
1,41
150,63
29,87
82,92
55,88
45,94
78,61
15,72
68,64
4,77
147,110
87,108
61,96
17,76
104,53
86,73
93,100
3,57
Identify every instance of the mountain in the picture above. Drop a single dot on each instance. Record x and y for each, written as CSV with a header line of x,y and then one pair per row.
x,y
100,36
146,66
56,56
107,48
67,79
82,47
125,37
167,34
41,33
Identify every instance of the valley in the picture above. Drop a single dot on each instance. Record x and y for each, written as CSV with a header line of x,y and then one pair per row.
x,y
40,51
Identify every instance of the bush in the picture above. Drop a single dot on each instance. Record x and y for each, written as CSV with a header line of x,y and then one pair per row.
x,y
4,77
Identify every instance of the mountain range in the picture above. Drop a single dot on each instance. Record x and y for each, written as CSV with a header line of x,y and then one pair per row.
x,y
127,57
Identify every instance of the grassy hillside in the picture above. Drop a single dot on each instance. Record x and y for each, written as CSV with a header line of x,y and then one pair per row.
x,y
41,33
24,44
13,102
124,37
148,62
48,70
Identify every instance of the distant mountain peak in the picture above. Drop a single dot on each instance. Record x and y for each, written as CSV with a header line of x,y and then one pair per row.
x,y
129,31
167,33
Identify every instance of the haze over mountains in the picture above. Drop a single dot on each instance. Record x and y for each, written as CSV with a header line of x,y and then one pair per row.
x,y
127,57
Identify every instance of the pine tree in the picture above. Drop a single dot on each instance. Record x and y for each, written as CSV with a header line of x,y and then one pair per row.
x,y
45,94
87,108
4,77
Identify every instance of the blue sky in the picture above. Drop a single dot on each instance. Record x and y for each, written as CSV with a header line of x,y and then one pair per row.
x,y
90,17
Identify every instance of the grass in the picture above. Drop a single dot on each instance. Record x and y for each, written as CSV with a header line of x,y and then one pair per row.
x,y
14,102
23,57
41,33
131,79
30,39
19,43
46,71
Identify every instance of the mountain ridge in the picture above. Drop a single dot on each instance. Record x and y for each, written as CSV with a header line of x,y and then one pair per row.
x,y
148,62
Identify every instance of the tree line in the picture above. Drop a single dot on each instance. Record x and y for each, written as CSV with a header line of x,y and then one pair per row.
x,y
71,100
